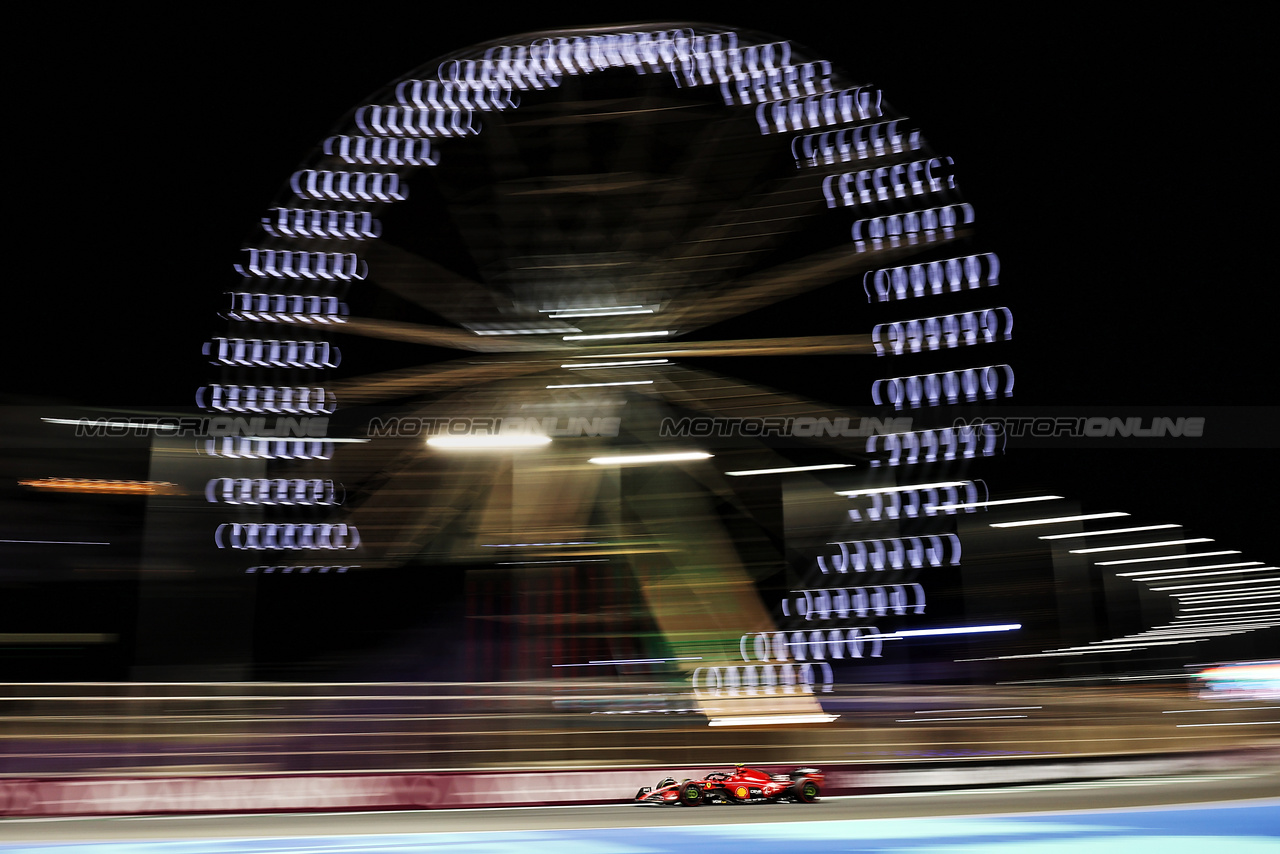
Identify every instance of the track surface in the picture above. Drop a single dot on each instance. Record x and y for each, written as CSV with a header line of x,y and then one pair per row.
x,y
1238,810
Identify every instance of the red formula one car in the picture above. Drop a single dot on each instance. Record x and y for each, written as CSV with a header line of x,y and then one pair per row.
x,y
743,785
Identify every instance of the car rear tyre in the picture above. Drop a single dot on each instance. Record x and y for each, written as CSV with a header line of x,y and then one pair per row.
x,y
806,791
691,795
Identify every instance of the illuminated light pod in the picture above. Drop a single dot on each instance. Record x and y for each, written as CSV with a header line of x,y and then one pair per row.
x,y
392,120
286,308
857,143
268,569
273,353
916,391
717,59
290,400
326,185
736,680
763,86
286,536
450,95
893,553
910,228
103,487
542,63
381,151
985,326
912,502
889,183
928,446
254,448
301,492
308,222
314,266
934,278
816,111
841,602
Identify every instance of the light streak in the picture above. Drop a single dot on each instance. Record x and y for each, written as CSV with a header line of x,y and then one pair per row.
x,y
1221,583
1002,501
632,661
974,718
107,487
1110,531
601,313
789,469
853,493
1057,520
602,385
1251,593
608,335
529,331
56,542
515,440
1133,546
996,709
597,365
959,630
764,720
684,456
1165,557
132,425
1180,568
1201,574
1255,611
522,545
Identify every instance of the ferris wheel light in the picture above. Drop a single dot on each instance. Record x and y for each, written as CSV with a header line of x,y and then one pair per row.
x,y
634,459
494,443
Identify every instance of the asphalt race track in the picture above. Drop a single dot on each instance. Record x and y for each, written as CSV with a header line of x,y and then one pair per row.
x,y
1234,811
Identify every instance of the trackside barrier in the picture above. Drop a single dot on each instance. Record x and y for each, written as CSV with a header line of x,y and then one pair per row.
x,y
461,789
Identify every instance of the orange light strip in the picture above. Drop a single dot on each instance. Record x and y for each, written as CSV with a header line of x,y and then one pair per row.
x,y
108,487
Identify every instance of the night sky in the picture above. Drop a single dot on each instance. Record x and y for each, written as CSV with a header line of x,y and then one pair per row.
x,y
1116,165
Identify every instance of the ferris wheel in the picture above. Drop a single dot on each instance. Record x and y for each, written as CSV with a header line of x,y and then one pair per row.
x,y
565,240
